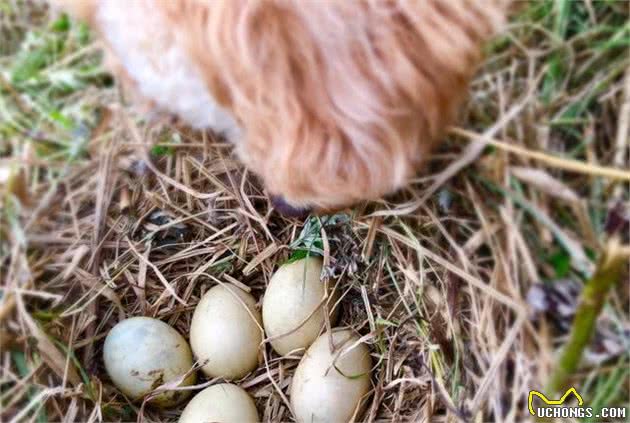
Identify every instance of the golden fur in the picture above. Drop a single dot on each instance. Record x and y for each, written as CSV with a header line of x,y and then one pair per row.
x,y
340,100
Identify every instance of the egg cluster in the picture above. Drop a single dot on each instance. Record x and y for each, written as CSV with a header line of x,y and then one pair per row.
x,y
226,333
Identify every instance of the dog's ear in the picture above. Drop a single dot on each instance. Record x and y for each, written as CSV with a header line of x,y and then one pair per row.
x,y
340,101
320,129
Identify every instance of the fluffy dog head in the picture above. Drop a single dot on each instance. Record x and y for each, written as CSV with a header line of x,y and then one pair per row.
x,y
339,101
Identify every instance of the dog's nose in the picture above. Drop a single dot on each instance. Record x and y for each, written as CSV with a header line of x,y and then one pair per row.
x,y
288,210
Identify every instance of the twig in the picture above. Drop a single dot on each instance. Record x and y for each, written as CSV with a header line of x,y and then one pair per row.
x,y
620,158
608,273
557,162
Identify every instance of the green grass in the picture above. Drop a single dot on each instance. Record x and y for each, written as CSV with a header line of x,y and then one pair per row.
x,y
41,91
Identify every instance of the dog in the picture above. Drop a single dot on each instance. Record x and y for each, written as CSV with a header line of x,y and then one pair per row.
x,y
329,102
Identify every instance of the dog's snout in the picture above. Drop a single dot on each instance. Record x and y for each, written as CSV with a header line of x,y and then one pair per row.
x,y
288,210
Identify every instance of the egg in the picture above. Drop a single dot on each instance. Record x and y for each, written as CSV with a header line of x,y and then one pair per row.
x,y
141,353
295,291
226,331
223,403
328,386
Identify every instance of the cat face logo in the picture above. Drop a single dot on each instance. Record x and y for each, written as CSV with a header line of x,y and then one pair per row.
x,y
547,401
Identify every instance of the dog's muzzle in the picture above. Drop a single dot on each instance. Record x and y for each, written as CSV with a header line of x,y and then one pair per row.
x,y
288,210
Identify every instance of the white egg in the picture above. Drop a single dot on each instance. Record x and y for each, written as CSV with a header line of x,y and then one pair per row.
x,y
319,392
226,331
223,403
296,292
142,353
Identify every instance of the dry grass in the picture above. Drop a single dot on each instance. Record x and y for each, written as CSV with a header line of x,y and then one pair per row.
x,y
108,216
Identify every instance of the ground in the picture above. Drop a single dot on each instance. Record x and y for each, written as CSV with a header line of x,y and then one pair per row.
x,y
464,284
